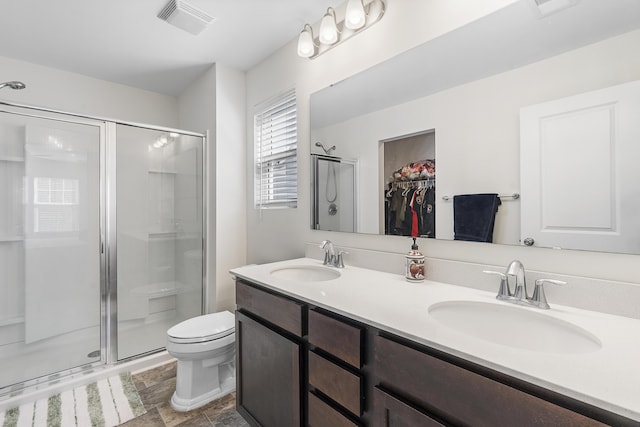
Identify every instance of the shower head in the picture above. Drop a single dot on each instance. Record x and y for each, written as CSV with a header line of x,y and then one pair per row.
x,y
327,151
13,85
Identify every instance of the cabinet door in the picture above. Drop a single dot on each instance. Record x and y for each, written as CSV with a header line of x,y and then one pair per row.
x,y
391,412
268,375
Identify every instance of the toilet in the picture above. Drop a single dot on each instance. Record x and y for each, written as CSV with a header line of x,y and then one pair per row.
x,y
204,347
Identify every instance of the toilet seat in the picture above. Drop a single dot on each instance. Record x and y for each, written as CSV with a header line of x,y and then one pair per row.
x,y
204,328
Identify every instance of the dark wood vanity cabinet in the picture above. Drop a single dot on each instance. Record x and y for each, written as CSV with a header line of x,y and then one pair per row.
x,y
303,365
269,356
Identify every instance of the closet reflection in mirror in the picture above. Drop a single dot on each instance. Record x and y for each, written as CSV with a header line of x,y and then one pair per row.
x,y
459,85
410,185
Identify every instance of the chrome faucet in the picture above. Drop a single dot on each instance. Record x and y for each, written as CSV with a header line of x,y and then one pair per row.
x,y
516,269
520,294
330,256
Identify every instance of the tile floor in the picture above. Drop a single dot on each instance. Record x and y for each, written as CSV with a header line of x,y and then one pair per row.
x,y
156,387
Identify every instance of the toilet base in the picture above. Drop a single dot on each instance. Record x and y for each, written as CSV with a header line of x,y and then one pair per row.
x,y
183,405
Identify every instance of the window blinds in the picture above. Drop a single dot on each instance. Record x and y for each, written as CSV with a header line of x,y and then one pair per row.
x,y
276,143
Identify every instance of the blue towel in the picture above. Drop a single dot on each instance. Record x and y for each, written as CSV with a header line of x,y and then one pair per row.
x,y
474,216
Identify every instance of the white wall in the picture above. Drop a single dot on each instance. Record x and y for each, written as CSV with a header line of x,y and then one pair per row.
x,y
197,112
215,103
75,93
280,234
231,221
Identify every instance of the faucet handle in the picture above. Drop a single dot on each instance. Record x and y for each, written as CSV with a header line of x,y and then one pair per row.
x,y
339,261
504,292
539,299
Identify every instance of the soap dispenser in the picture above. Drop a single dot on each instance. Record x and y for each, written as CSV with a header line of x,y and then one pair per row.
x,y
414,264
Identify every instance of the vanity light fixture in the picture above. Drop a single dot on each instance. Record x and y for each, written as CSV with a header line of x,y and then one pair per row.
x,y
355,16
328,28
359,15
306,44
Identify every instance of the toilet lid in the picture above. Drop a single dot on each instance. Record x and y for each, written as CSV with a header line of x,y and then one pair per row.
x,y
203,328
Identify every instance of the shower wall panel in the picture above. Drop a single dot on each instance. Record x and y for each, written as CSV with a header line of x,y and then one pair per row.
x,y
160,246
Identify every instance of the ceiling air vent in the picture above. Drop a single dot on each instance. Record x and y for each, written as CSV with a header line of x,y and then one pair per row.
x,y
547,7
185,16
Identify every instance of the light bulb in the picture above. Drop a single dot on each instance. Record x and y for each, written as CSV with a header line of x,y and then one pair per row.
x,y
354,16
328,28
306,47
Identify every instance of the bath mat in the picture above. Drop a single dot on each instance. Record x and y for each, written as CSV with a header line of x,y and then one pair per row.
x,y
105,403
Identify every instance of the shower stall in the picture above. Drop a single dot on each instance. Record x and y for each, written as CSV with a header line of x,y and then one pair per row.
x,y
101,241
334,189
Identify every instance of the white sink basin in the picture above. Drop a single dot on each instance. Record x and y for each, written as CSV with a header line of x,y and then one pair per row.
x,y
306,273
515,326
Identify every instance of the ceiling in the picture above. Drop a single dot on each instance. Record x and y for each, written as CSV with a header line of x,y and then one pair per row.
x,y
123,41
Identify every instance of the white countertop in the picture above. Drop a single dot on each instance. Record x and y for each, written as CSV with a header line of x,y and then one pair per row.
x,y
608,378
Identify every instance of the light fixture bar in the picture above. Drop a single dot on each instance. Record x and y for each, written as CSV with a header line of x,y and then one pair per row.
x,y
358,17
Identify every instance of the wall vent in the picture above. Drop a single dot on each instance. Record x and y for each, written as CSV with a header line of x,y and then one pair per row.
x,y
185,16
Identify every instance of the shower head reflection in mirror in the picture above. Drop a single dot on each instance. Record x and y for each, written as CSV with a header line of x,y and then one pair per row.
x,y
13,85
327,151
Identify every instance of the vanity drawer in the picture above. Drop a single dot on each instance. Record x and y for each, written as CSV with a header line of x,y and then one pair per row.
x,y
278,310
392,412
460,396
322,414
336,337
336,382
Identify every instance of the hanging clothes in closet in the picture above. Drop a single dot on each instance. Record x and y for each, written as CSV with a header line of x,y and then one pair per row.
x,y
410,201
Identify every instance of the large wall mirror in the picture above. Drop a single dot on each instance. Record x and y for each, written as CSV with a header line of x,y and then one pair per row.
x,y
487,95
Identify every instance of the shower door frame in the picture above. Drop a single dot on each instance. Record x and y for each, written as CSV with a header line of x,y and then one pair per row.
x,y
108,231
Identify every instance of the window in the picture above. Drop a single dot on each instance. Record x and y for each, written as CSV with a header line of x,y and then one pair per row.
x,y
276,143
55,205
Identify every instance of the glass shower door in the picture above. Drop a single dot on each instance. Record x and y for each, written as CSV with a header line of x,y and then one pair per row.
x,y
160,235
50,281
